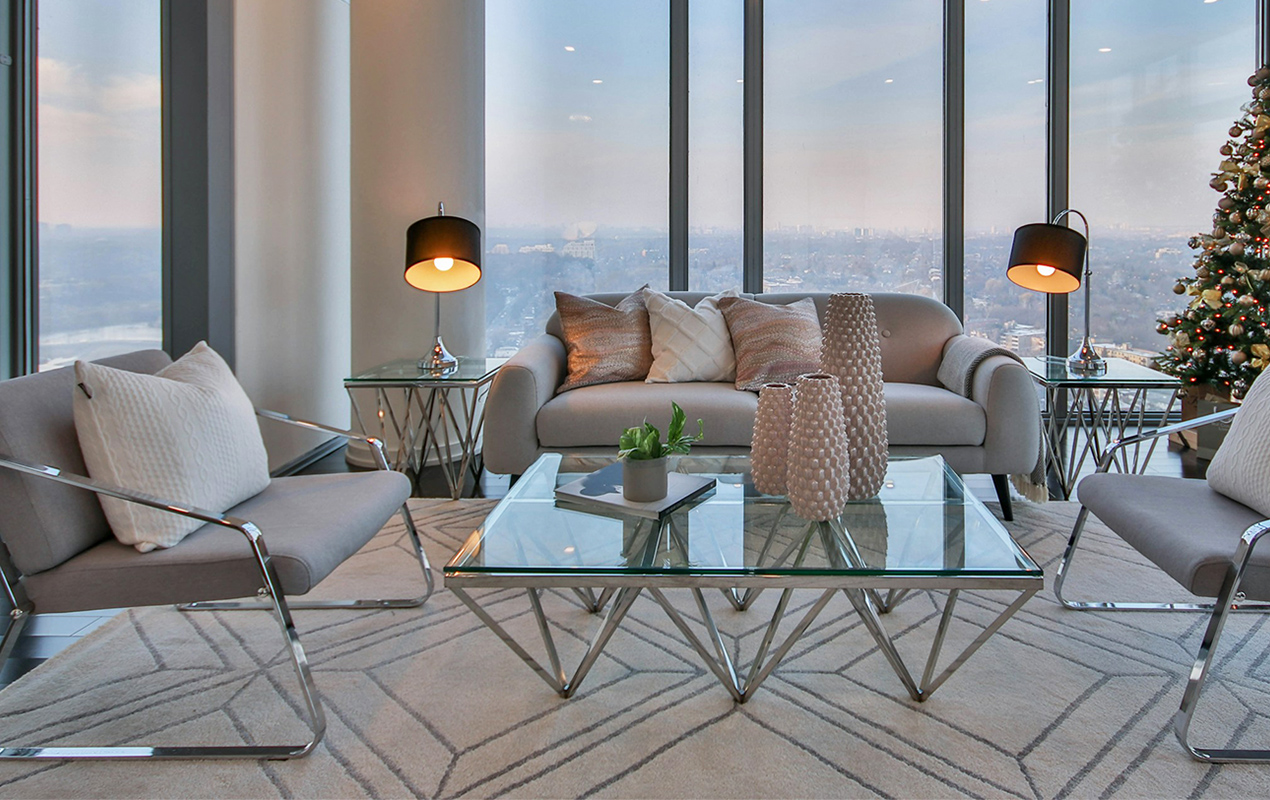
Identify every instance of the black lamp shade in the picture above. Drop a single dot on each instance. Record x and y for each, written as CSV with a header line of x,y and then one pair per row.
x,y
1047,258
443,254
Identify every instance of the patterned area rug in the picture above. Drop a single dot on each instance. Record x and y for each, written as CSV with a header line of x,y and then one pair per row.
x,y
430,703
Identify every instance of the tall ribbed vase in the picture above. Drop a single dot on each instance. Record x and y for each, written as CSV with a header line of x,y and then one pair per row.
x,y
770,445
851,350
818,471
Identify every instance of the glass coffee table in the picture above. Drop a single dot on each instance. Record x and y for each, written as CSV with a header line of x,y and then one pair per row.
x,y
923,531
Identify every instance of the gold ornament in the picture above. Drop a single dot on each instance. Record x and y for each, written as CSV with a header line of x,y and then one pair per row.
x,y
1247,300
1212,298
1235,131
1238,357
1236,330
1261,356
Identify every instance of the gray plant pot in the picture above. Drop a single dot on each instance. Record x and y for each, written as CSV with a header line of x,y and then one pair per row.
x,y
644,481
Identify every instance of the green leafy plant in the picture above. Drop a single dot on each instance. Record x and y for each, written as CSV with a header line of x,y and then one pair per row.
x,y
644,442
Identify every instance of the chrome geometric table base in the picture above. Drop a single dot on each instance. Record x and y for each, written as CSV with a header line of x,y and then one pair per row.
x,y
871,597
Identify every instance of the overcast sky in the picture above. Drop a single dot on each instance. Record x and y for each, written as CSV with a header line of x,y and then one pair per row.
x,y
852,102
853,109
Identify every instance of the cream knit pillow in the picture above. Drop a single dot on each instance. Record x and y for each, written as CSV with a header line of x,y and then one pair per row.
x,y
689,344
1241,467
187,434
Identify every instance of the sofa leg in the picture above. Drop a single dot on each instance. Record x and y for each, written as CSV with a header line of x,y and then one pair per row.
x,y
1002,485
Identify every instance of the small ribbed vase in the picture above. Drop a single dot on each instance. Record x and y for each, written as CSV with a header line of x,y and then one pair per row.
x,y
852,352
770,445
817,474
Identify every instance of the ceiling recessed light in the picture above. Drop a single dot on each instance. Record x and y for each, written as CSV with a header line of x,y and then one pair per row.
x,y
1104,49
597,80
1038,80
889,80
1206,2
570,48
740,80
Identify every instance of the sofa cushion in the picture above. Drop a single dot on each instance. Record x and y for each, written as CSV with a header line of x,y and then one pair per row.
x,y
917,414
1241,467
689,343
604,343
773,344
595,415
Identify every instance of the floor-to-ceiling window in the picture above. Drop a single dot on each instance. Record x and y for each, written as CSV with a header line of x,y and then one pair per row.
x,y
851,158
852,165
1005,165
1155,84
99,134
576,135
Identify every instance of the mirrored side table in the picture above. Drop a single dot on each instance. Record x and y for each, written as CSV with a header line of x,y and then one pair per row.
x,y
428,414
1099,409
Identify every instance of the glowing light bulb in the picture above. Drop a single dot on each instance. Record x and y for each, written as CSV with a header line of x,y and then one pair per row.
x,y
1045,271
443,263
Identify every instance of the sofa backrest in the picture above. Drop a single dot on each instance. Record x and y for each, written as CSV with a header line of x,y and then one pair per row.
x,y
44,523
913,329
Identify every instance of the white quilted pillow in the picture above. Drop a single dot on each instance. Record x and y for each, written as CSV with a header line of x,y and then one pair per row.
x,y
187,434
1241,467
689,344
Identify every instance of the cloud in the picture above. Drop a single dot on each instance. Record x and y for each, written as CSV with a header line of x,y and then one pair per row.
x,y
136,92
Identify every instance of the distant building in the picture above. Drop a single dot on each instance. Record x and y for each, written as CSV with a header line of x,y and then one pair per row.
x,y
580,248
500,250
1128,352
538,248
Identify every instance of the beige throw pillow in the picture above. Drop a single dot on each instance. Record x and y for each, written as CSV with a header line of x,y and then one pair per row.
x,y
774,344
604,343
1241,467
689,343
187,434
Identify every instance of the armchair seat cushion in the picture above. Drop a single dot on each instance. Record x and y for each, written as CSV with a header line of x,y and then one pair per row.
x,y
917,414
1183,526
311,524
594,415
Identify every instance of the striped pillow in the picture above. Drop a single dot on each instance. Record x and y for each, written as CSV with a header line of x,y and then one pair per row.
x,y
605,344
774,344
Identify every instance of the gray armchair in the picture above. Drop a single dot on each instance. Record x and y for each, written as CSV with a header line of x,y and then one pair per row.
x,y
1203,540
57,553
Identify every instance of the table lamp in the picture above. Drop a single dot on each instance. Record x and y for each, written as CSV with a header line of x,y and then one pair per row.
x,y
1048,258
443,254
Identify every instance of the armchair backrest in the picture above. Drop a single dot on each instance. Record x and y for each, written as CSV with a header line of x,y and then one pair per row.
x,y
914,329
42,522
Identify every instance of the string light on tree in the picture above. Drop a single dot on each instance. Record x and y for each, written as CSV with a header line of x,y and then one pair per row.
x,y
1219,338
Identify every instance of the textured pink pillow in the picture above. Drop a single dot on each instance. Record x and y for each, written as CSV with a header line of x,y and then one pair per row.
x,y
605,344
774,344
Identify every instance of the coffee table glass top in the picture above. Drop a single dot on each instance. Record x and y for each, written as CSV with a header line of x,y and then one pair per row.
x,y
923,523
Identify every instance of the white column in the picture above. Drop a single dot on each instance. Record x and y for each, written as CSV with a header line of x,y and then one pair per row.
x,y
291,141
418,138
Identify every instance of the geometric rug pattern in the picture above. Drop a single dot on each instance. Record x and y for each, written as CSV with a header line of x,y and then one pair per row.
x,y
429,703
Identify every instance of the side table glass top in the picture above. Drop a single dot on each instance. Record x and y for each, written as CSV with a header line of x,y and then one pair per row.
x,y
922,524
408,371
1053,371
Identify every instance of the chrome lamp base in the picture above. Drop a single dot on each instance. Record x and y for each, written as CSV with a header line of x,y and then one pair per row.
x,y
439,360
1086,360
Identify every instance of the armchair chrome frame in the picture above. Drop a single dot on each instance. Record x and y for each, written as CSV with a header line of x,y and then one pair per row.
x,y
22,609
271,598
381,462
1229,599
1104,464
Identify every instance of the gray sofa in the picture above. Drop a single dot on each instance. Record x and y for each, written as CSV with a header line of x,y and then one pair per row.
x,y
996,430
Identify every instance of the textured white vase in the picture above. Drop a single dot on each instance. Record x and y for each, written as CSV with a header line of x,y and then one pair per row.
x,y
770,445
818,471
851,351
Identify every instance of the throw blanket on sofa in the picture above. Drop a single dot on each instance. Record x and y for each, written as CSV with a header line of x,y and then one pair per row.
x,y
963,357
957,374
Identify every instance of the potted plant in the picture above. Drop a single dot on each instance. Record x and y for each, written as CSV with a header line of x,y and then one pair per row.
x,y
643,455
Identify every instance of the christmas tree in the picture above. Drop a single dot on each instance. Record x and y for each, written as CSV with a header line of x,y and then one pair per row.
x,y
1220,339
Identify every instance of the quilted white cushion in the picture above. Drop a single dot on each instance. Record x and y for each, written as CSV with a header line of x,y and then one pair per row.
x,y
689,344
186,434
1241,467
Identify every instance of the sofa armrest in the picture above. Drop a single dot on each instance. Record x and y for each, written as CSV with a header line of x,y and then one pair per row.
x,y
1007,393
522,386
